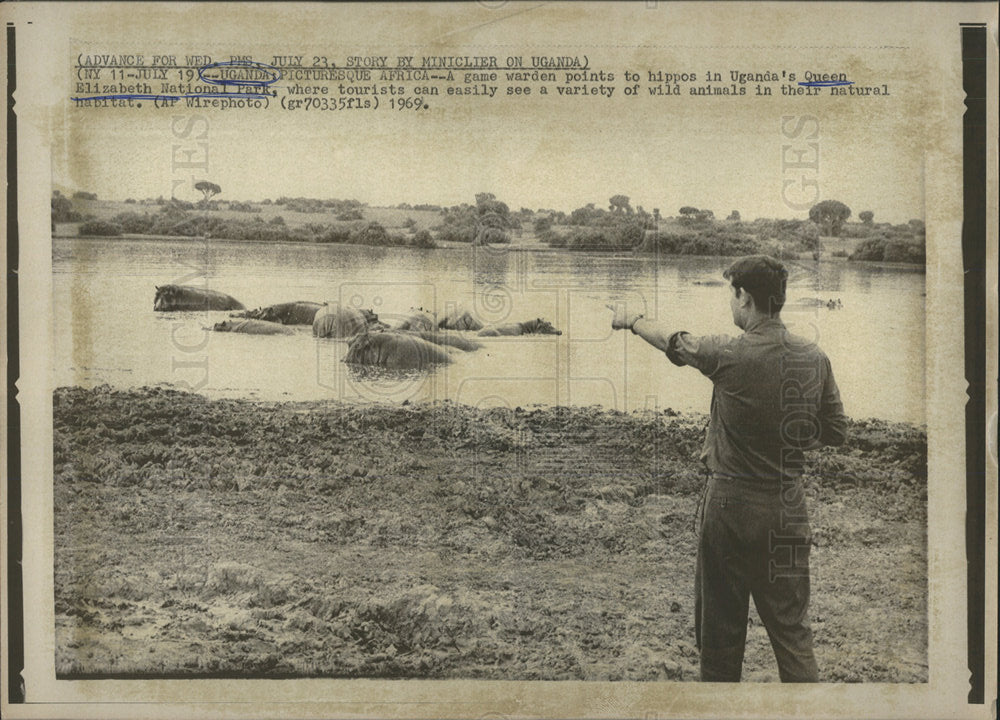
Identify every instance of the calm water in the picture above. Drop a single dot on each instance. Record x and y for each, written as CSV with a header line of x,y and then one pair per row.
x,y
106,330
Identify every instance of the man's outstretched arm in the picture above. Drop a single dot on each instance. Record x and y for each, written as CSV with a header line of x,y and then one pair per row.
x,y
648,330
681,348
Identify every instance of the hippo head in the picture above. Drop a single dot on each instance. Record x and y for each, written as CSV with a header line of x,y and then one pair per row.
x,y
224,326
164,296
363,350
541,327
270,313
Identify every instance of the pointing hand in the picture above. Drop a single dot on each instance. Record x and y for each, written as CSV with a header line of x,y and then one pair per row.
x,y
623,320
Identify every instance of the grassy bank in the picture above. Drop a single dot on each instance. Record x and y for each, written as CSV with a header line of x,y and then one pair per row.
x,y
348,221
199,537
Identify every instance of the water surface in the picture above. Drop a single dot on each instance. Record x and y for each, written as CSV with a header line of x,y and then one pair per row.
x,y
107,332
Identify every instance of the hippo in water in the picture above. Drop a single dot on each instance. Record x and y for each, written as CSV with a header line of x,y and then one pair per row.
x,y
334,321
394,351
460,321
446,338
252,327
830,304
811,302
418,319
300,312
538,326
184,297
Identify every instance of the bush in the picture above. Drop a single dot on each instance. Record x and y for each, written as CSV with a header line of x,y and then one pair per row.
x,y
81,195
423,239
335,234
456,232
543,225
714,242
630,235
587,215
132,222
807,237
857,230
62,209
371,234
553,239
315,205
802,233
492,236
243,207
889,250
171,220
871,250
349,215
904,252
100,228
583,238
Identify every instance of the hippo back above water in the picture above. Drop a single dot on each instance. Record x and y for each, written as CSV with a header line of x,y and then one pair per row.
x,y
395,351
449,339
334,321
538,326
300,312
418,319
460,321
252,327
184,297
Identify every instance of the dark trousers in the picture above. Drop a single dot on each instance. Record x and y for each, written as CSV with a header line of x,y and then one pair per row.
x,y
754,542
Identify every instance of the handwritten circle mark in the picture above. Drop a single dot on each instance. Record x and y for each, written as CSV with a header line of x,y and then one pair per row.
x,y
271,74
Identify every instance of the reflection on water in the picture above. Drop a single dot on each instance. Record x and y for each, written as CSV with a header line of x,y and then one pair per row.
x,y
107,332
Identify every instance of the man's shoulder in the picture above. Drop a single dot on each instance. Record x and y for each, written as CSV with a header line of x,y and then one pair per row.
x,y
802,345
775,337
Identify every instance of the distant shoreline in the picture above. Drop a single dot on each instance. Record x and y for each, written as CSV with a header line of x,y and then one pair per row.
x,y
512,247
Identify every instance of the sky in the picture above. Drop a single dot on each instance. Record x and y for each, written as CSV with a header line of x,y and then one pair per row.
x,y
556,152
553,163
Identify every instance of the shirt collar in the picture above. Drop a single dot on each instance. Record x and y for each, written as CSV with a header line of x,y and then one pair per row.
x,y
764,324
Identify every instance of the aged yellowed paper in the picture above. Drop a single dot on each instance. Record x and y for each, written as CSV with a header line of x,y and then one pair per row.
x,y
329,405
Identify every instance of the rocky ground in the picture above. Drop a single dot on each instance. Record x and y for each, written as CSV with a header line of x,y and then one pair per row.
x,y
199,537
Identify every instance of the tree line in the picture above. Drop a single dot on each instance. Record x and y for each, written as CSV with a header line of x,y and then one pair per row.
x,y
617,227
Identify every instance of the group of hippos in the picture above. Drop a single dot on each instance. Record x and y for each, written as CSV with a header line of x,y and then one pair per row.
x,y
416,341
829,304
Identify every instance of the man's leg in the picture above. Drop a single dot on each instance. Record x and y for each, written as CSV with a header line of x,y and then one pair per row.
x,y
781,595
722,598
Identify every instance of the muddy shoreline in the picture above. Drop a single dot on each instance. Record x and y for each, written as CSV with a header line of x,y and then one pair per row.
x,y
236,538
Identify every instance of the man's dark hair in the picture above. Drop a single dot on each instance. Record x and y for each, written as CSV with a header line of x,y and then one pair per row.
x,y
763,277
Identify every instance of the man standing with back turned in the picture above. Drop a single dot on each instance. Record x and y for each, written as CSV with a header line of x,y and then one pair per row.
x,y
774,396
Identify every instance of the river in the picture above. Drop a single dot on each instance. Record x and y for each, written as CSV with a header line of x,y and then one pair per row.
x,y
107,332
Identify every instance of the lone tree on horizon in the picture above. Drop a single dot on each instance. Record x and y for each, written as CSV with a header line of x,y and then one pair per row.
x,y
208,189
620,203
866,216
830,215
